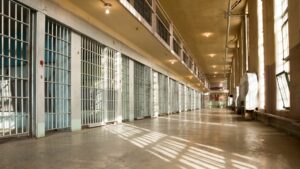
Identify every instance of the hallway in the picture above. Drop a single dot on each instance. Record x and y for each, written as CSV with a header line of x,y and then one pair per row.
x,y
200,139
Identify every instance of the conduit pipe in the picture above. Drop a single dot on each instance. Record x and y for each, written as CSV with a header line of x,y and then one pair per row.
x,y
227,34
228,15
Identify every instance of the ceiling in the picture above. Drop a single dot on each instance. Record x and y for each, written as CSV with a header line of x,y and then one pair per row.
x,y
193,18
121,25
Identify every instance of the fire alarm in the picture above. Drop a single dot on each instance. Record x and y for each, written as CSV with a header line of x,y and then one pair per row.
x,y
41,62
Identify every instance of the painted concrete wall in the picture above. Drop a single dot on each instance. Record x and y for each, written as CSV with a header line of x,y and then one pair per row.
x,y
294,34
285,119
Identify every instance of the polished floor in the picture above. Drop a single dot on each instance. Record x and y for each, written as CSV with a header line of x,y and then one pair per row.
x,y
201,139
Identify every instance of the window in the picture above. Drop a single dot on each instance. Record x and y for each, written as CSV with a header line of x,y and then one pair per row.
x,y
282,54
261,72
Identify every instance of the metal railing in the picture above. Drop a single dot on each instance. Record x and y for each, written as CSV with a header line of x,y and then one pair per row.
x,y
153,13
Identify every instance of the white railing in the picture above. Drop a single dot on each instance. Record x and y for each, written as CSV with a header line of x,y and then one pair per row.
x,y
158,21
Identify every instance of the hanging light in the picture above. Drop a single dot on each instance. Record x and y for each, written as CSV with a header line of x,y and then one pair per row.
x,y
107,7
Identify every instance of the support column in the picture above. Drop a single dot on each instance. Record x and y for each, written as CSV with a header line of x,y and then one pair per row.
x,y
154,21
75,82
171,36
168,93
131,90
39,85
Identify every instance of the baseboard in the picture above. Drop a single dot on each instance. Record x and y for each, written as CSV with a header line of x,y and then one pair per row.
x,y
288,125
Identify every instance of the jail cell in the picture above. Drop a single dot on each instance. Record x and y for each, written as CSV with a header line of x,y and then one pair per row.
x,y
173,96
199,100
110,84
187,99
182,97
15,68
163,93
57,76
142,88
170,99
192,99
125,87
147,79
155,92
92,80
196,100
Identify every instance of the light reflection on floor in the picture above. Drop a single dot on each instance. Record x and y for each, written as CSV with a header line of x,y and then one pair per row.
x,y
182,152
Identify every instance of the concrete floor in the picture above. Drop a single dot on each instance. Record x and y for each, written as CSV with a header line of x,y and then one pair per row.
x,y
206,139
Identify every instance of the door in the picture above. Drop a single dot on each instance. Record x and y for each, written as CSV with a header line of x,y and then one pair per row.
x,y
57,76
125,87
15,69
92,80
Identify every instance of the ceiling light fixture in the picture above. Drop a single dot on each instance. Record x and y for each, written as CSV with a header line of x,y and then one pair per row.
x,y
212,55
172,61
207,34
107,7
214,66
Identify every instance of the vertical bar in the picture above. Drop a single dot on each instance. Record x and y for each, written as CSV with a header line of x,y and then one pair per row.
x,y
16,73
9,67
2,66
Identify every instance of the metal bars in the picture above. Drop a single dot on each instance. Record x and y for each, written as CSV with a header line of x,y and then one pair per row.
x,y
173,96
92,74
163,93
57,75
125,87
138,90
14,68
110,83
98,83
182,97
155,90
147,90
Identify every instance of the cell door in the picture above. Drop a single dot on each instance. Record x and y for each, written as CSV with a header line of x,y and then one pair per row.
x,y
125,87
147,90
192,100
110,84
155,94
163,93
182,96
15,69
57,76
176,97
139,91
187,101
92,82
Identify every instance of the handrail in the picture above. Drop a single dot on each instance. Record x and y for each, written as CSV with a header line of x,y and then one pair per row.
x,y
172,33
